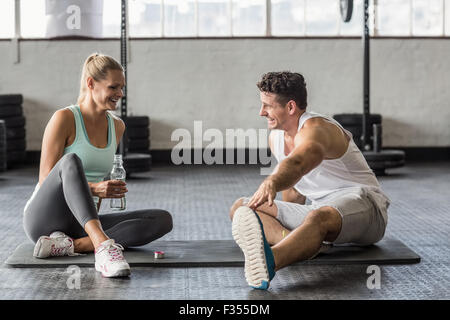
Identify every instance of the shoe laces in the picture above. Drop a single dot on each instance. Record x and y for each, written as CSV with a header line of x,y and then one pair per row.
x,y
64,248
114,251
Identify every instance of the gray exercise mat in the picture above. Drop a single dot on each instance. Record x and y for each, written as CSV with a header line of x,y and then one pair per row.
x,y
219,253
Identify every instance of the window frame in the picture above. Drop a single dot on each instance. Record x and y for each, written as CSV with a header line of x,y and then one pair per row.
x,y
268,28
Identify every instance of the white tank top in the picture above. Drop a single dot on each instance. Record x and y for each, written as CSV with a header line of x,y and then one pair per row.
x,y
349,171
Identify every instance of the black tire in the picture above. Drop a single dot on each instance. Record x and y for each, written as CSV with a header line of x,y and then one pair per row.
x,y
356,132
138,144
11,99
381,165
2,146
355,119
16,145
15,133
137,162
144,151
138,132
137,121
8,111
131,171
384,156
136,159
15,122
15,157
3,165
346,7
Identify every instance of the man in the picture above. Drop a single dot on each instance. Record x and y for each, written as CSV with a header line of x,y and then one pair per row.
x,y
319,161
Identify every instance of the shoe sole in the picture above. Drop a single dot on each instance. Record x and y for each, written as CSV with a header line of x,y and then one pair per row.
x,y
37,248
247,233
117,274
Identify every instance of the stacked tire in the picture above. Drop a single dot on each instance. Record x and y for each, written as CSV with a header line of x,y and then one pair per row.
x,y
2,146
353,123
377,159
11,112
137,134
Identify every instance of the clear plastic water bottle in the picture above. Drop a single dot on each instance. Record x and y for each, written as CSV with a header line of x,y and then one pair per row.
x,y
118,173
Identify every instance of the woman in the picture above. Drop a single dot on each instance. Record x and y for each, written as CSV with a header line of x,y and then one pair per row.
x,y
77,154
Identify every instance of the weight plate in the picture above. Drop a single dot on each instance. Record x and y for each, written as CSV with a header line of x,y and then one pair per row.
x,y
9,111
140,165
346,7
15,133
137,121
384,155
144,151
16,144
138,132
385,164
138,169
15,122
11,99
16,156
136,159
138,144
352,119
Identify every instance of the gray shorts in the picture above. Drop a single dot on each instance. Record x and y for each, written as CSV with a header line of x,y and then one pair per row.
x,y
362,221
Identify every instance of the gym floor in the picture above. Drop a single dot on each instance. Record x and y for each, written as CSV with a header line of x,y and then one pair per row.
x,y
198,198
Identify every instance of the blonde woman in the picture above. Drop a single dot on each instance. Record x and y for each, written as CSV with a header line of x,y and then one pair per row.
x,y
77,154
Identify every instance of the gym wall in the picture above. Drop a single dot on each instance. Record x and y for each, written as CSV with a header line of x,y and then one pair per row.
x,y
176,82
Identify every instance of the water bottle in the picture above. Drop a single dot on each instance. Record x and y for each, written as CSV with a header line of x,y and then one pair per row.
x,y
118,173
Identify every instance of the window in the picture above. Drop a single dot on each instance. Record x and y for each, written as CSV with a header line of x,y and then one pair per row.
x,y
322,17
231,18
179,18
355,26
428,18
411,17
36,14
447,17
145,18
32,18
249,17
111,18
288,17
214,18
7,19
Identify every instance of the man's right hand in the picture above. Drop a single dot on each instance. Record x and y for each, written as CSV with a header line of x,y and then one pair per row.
x,y
109,189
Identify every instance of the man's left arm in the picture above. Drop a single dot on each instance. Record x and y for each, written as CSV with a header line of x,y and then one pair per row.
x,y
310,149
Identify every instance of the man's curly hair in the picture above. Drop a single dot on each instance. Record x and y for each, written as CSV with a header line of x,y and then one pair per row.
x,y
287,85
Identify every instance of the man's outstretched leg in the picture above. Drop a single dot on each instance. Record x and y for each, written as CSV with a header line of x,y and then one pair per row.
x,y
261,261
274,231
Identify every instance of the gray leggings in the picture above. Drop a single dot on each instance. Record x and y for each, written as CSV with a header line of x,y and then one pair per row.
x,y
64,203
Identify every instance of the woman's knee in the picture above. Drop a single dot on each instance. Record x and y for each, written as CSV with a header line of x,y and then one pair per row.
x,y
165,221
71,161
70,158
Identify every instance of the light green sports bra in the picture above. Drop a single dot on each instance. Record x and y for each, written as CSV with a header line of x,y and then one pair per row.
x,y
97,162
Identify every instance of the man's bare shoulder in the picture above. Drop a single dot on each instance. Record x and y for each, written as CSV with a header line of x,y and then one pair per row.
x,y
328,134
323,125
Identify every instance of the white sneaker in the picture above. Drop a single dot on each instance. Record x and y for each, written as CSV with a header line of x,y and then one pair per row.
x,y
56,245
109,260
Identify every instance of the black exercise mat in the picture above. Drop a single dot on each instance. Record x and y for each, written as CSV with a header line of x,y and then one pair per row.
x,y
219,253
